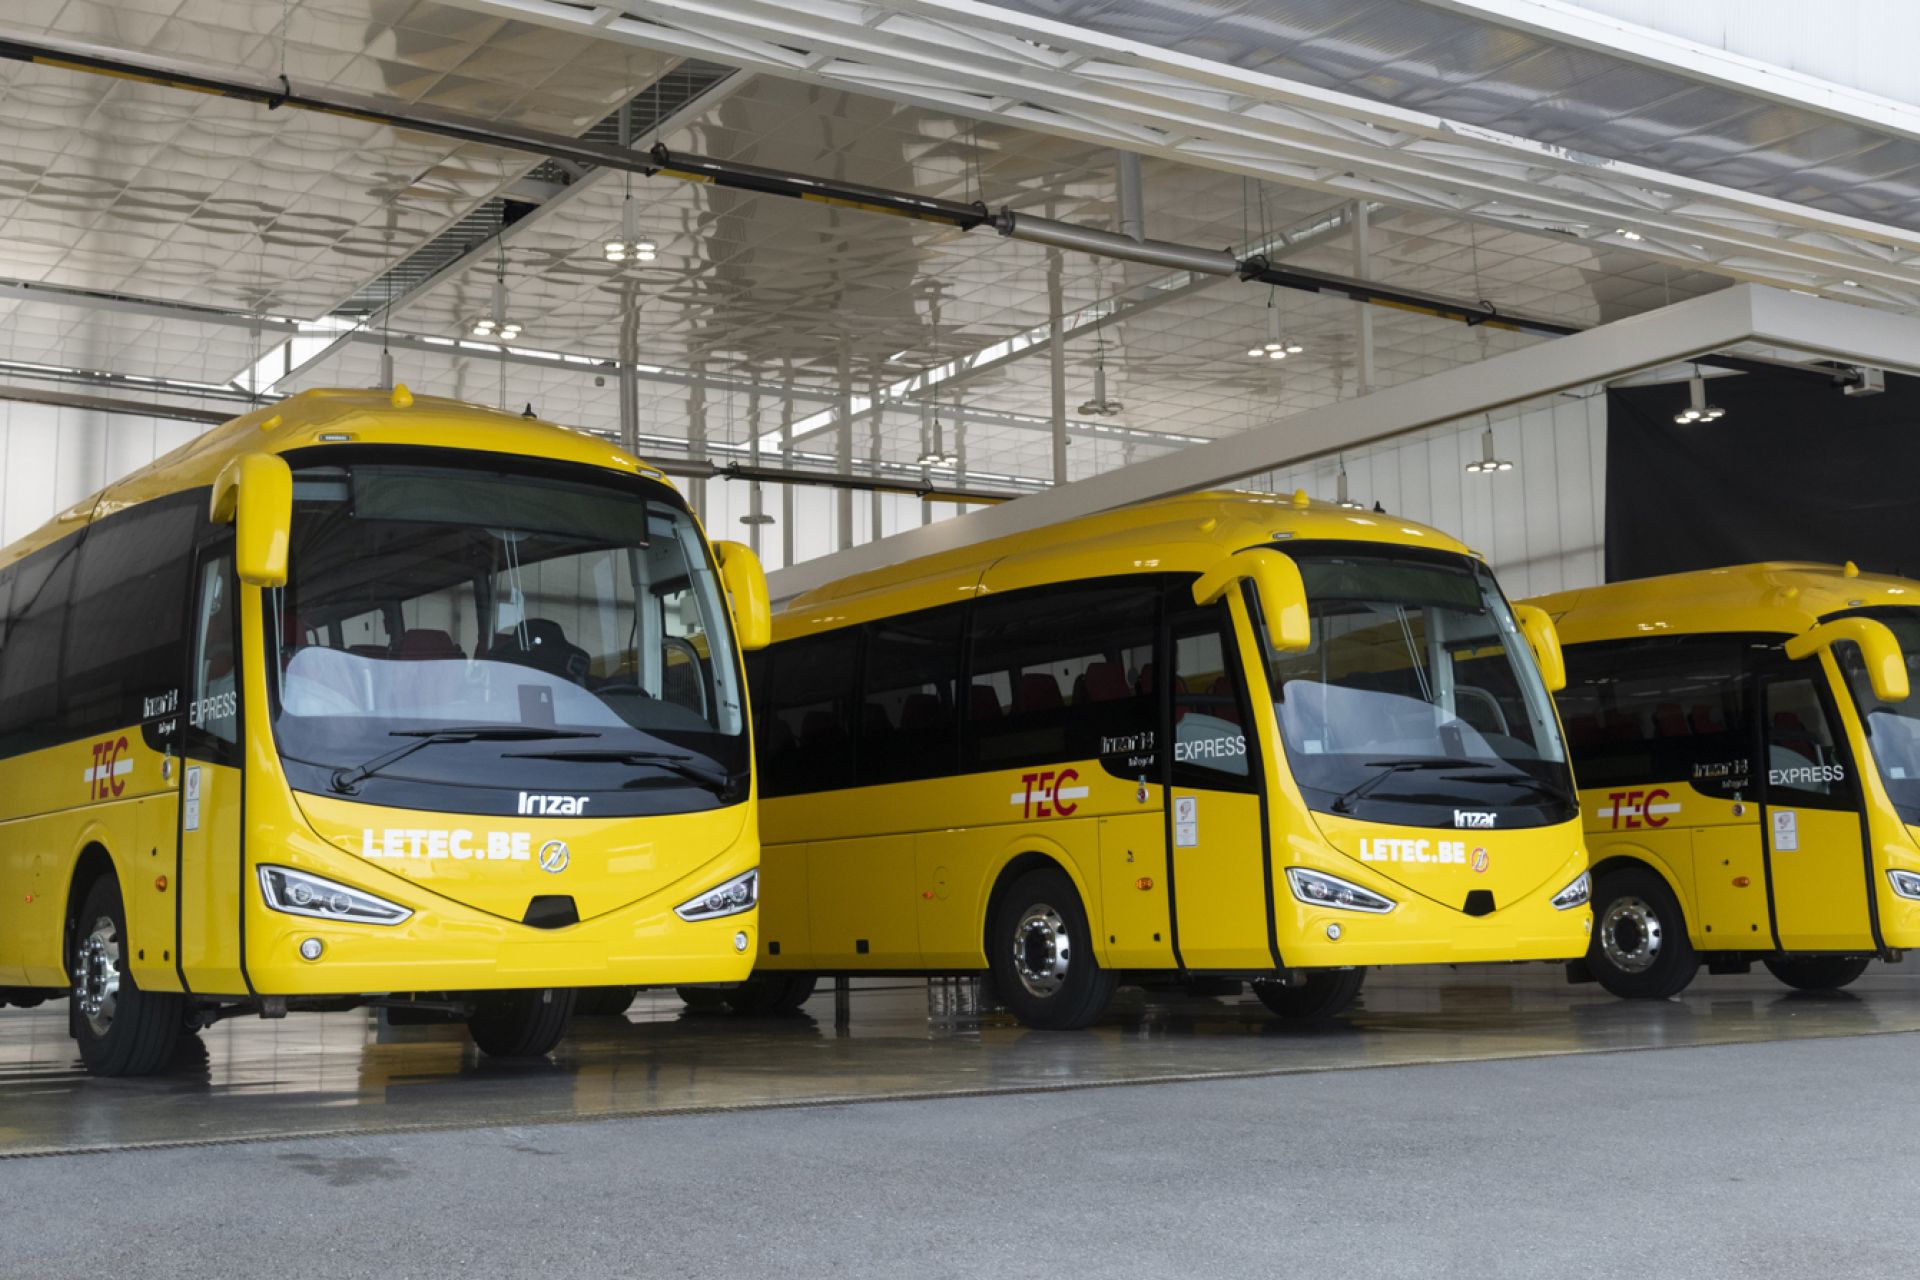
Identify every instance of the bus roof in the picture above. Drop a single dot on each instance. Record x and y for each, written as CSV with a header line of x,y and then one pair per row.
x,y
1776,597
1185,533
316,418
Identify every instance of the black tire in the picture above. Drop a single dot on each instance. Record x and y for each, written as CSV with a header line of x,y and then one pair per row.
x,y
771,994
1639,948
1324,994
122,1030
521,1024
703,999
603,1002
1041,954
1817,973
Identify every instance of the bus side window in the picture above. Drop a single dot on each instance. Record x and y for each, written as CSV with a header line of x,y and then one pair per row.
x,y
1805,765
125,635
1209,737
1672,711
36,623
806,714
213,704
1066,667
908,726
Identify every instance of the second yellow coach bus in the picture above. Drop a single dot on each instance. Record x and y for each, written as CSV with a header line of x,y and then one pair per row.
x,y
1749,758
362,700
1223,734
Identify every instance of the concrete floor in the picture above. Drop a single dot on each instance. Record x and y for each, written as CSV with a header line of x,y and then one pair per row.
x,y
1486,1123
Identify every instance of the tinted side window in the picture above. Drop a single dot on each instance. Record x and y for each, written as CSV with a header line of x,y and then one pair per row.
x,y
1805,763
1057,670
129,606
1677,711
1210,738
908,725
30,674
805,707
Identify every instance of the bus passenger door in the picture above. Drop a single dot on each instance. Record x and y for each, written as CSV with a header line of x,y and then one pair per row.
x,y
1813,827
209,871
1218,831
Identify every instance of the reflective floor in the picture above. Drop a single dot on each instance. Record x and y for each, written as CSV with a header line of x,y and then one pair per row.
x,y
314,1074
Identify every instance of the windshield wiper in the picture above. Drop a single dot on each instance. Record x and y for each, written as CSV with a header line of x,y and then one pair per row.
x,y
1343,803
1520,780
344,780
672,761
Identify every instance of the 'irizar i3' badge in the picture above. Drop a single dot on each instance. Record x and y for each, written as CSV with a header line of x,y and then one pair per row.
x,y
554,856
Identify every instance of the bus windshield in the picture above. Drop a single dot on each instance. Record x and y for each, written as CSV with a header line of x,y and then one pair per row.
x,y
1893,728
533,633
1417,695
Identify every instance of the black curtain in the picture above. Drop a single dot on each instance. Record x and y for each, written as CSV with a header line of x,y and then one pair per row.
x,y
1794,471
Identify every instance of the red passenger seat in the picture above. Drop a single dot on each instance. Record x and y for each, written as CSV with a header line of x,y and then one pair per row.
x,y
1037,691
1101,682
983,703
1668,722
423,644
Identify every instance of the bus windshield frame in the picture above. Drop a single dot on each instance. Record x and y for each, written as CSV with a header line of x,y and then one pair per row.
x,y
1418,697
537,628
1892,729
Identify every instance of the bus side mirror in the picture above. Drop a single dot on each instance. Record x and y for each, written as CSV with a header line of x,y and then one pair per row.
x,y
746,585
1276,580
1886,665
254,494
1544,639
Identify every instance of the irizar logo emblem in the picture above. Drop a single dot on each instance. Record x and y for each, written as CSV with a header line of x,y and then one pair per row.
x,y
553,806
1461,818
554,856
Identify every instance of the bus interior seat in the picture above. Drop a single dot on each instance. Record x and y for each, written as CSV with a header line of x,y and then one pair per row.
x,y
369,650
545,648
983,703
1705,719
1101,682
1790,733
1669,721
427,644
1037,691
822,729
1228,706
1146,681
923,713
875,724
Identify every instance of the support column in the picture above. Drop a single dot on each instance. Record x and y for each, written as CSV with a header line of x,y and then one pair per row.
x,y
843,446
697,441
786,460
876,531
1057,359
1362,312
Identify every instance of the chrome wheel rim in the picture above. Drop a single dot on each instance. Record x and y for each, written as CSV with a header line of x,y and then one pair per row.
x,y
1042,950
96,985
1630,935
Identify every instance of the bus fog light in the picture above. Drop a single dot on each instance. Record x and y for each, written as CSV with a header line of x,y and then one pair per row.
x,y
1333,932
1318,889
1577,894
299,893
310,948
1905,883
739,942
729,899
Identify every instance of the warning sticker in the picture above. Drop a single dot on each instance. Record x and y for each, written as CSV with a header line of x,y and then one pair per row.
x,y
1786,831
1186,822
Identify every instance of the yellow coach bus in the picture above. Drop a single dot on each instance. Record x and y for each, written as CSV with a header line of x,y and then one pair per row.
x,y
1749,765
1228,735
357,700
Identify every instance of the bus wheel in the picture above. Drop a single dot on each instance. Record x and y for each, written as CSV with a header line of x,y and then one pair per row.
x,y
603,1002
122,1030
521,1024
1041,954
702,999
1640,948
771,994
1817,973
1324,994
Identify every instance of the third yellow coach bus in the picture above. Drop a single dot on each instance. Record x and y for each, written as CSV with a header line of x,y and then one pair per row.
x,y
1238,735
1749,756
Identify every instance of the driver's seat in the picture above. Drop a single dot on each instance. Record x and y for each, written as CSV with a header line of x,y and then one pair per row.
x,y
542,643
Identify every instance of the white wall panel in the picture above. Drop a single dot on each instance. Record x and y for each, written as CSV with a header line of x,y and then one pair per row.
x,y
52,458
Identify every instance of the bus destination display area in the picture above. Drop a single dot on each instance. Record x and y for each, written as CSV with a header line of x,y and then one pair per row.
x,y
906,639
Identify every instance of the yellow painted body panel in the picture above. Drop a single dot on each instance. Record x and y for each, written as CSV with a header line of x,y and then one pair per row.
x,y
1714,852
852,849
627,875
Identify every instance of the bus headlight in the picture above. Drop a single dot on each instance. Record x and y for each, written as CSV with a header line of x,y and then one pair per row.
x,y
1318,889
1577,894
299,894
729,899
1905,883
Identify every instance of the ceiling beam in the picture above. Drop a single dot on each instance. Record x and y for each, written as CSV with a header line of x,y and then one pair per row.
x,y
1682,331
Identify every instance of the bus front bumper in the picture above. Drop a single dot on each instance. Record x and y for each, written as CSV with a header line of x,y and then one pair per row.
x,y
1421,931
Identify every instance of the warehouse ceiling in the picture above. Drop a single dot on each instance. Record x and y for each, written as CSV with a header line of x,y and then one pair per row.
x,y
214,248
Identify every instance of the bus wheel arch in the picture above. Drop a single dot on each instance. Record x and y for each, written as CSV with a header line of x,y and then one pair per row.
x,y
1040,946
121,1030
1640,947
94,863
